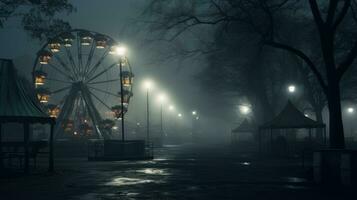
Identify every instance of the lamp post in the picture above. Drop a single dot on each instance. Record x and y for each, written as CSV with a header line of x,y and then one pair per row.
x,y
350,111
162,98
194,114
148,85
121,51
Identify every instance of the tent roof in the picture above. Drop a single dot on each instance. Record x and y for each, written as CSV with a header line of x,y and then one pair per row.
x,y
245,126
17,104
291,117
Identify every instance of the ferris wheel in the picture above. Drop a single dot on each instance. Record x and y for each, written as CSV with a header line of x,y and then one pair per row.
x,y
84,79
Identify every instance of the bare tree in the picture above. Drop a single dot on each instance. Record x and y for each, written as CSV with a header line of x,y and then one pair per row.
x,y
267,19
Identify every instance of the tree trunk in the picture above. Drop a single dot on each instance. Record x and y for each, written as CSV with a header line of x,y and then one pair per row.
x,y
337,140
318,114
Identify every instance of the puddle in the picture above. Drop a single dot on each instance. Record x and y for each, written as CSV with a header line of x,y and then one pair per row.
x,y
123,181
153,171
245,163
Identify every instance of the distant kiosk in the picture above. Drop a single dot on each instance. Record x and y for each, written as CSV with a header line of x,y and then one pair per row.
x,y
277,132
244,132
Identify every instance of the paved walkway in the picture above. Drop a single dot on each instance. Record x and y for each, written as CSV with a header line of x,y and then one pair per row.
x,y
178,172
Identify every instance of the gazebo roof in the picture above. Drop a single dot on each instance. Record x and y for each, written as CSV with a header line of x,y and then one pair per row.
x,y
291,117
245,126
17,104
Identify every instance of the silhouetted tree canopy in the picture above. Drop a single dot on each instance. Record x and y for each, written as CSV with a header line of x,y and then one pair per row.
x,y
38,17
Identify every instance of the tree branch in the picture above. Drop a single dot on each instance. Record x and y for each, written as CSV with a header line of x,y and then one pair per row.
x,y
316,13
331,12
342,14
351,56
304,57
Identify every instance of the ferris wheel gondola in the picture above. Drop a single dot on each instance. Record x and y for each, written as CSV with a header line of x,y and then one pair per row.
x,y
79,78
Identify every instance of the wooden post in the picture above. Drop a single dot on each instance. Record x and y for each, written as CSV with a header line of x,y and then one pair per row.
x,y
27,146
50,158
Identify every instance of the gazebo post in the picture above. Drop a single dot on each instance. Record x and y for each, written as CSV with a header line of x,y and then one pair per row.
x,y
1,156
50,159
26,146
325,137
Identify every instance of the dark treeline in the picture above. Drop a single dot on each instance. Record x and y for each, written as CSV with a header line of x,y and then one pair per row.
x,y
256,47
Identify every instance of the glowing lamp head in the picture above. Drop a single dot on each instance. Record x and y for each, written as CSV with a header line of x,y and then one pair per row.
x,y
162,98
350,110
148,84
179,115
120,50
244,109
291,88
194,112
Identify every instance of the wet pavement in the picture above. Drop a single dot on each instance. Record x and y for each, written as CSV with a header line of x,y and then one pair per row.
x,y
177,172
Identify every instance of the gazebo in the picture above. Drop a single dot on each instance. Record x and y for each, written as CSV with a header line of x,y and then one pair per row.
x,y
244,127
18,105
290,118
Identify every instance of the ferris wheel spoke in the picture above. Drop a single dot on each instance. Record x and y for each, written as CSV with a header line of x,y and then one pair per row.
x,y
107,81
63,64
74,68
89,59
79,55
57,80
103,91
95,67
61,72
96,97
102,72
60,90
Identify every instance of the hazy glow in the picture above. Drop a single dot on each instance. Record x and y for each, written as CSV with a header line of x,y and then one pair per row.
x,y
179,115
115,128
120,51
306,115
148,84
350,110
171,108
291,88
197,118
162,97
194,112
244,109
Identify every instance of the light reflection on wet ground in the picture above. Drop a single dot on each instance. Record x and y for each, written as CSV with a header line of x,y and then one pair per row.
x,y
120,181
176,173
153,171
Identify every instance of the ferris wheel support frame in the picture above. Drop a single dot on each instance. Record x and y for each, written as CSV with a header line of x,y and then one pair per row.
x,y
80,76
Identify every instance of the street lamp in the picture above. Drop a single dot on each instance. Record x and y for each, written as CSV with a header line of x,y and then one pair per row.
x,y
121,51
162,98
148,84
291,88
350,110
244,109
